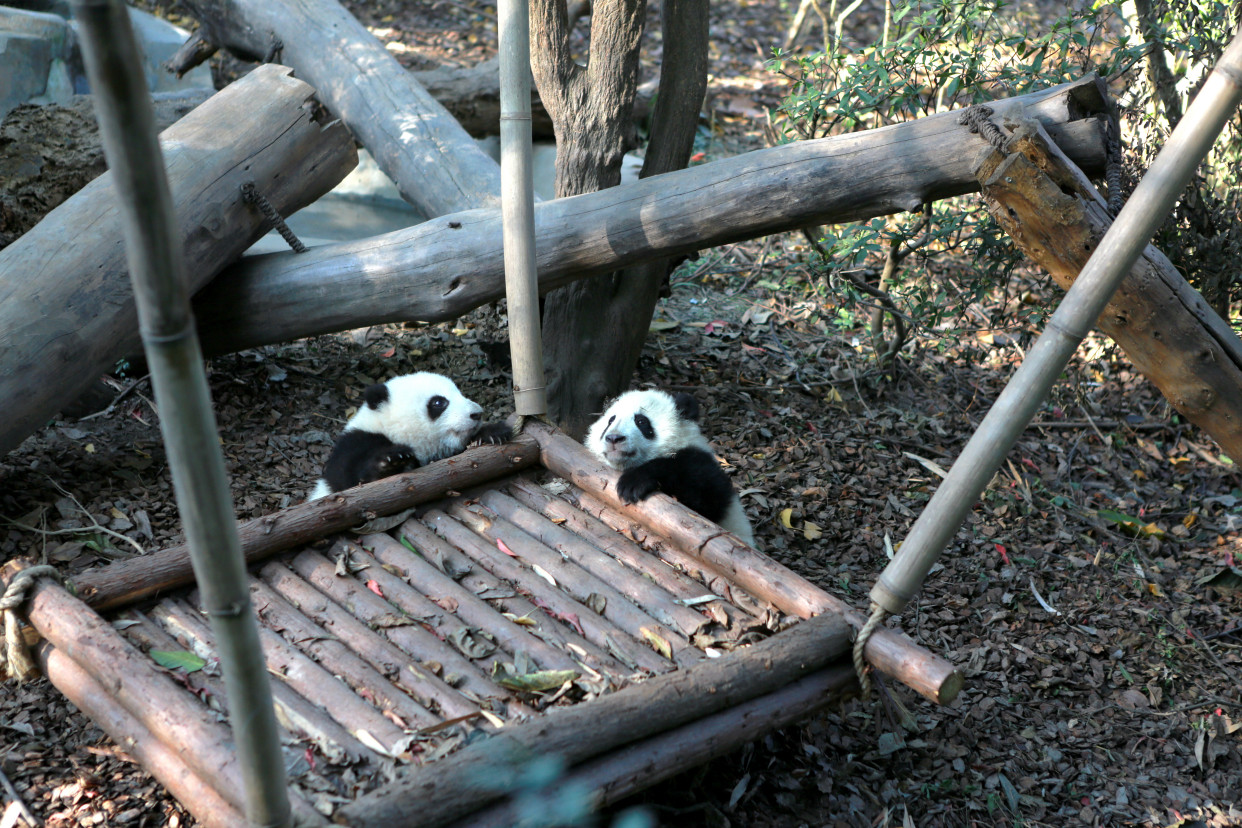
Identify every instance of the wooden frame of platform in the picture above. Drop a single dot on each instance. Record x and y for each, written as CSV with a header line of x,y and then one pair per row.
x,y
660,637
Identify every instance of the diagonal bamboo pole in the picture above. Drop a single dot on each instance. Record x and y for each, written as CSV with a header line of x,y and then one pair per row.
x,y
517,209
1074,318
186,418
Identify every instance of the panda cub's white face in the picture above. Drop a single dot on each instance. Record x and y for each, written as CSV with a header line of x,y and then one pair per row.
x,y
424,411
640,426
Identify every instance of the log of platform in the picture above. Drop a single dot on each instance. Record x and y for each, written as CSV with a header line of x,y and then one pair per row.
x,y
632,768
434,162
126,581
461,783
1166,327
67,312
86,694
888,650
441,269
178,721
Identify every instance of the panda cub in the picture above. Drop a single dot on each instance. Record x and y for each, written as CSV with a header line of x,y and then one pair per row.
x,y
406,422
653,438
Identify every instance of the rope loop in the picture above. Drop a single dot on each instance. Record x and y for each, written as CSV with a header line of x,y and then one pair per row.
x,y
979,119
878,615
252,195
16,659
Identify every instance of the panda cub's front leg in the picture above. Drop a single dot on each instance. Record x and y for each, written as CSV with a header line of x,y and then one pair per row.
x,y
639,483
386,462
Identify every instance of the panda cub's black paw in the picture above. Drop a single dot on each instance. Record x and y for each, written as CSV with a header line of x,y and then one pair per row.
x,y
392,462
492,434
634,485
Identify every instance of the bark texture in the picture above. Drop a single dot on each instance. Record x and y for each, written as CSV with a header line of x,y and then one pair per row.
x,y
67,311
594,329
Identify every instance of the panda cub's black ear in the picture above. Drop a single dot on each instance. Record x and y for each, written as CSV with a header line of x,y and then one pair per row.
x,y
375,395
687,406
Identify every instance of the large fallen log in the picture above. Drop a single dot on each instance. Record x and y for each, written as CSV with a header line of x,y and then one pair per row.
x,y
67,312
1166,327
450,265
436,165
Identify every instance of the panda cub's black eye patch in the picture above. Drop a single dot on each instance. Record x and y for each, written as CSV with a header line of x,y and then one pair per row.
x,y
436,406
644,426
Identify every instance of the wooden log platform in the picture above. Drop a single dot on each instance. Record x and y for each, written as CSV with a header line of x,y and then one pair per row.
x,y
416,659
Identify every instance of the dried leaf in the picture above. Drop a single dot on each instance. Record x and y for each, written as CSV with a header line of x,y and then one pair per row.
x,y
786,518
473,642
657,642
811,532
370,741
501,545
543,573
375,587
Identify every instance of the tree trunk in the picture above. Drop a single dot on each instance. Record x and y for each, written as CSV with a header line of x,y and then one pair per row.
x,y
444,268
67,310
588,106
434,162
595,329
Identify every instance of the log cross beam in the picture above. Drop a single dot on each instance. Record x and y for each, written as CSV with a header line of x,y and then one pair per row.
x,y
1165,326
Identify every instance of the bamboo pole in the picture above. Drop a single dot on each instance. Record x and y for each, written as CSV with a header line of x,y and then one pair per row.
x,y
1073,320
517,202
153,248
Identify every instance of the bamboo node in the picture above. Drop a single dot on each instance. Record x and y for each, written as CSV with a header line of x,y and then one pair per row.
x,y
17,659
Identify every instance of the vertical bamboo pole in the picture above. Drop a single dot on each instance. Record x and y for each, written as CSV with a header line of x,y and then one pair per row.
x,y
156,264
1074,318
518,210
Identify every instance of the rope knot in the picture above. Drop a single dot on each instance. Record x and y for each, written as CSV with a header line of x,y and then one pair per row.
x,y
16,658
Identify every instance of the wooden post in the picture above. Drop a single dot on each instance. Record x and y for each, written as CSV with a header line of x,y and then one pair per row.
x,y
517,197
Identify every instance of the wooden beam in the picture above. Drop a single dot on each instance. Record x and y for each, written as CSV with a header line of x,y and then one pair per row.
x,y
441,269
1167,329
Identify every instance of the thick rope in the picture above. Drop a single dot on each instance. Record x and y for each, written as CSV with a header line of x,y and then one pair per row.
x,y
978,118
252,195
878,614
16,658
1112,165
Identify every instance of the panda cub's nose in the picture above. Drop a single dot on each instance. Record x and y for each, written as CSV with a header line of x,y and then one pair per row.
x,y
614,439
476,416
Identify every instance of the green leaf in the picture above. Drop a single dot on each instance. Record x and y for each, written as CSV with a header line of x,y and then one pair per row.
x,y
178,660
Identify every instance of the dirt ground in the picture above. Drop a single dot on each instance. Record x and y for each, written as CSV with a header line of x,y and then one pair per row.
x,y
1092,598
